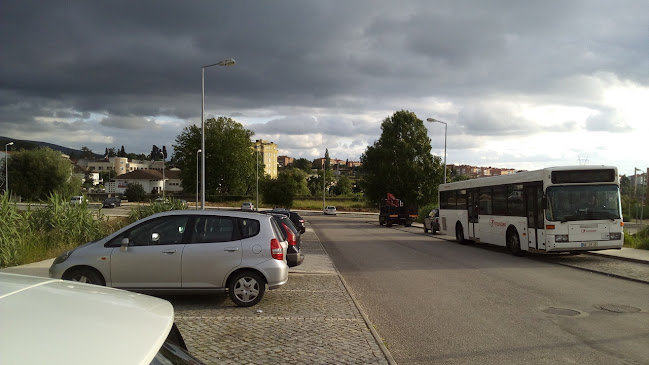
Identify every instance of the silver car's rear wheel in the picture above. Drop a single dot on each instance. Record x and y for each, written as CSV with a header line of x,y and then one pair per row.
x,y
84,275
246,288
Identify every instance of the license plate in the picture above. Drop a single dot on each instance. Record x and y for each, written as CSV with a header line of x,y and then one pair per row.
x,y
589,244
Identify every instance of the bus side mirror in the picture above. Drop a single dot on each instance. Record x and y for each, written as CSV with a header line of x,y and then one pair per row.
x,y
544,201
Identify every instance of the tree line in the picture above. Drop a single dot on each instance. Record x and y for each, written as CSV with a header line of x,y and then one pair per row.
x,y
399,162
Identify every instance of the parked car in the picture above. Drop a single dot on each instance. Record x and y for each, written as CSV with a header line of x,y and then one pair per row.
x,y
241,253
294,256
295,217
137,328
111,202
330,210
77,200
431,221
247,206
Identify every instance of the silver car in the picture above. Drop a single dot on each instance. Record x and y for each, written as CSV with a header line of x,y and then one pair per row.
x,y
190,251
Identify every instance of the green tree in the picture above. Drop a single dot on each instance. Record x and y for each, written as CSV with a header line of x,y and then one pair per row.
x,y
327,160
343,186
35,174
107,176
315,185
280,192
230,165
400,162
135,193
299,177
303,164
86,153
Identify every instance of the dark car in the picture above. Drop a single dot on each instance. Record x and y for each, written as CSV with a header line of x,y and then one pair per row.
x,y
112,202
294,256
431,222
296,218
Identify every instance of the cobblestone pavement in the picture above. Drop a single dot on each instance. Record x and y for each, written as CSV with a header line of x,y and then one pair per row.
x,y
310,320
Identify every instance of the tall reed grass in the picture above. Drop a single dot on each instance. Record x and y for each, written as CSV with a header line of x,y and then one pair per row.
x,y
145,210
44,231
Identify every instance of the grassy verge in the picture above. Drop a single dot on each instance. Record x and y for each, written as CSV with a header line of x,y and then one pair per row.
x,y
640,240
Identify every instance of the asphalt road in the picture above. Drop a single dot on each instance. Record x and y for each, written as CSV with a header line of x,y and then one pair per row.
x,y
434,301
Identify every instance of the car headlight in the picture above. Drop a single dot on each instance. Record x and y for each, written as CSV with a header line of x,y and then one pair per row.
x,y
561,238
62,257
615,235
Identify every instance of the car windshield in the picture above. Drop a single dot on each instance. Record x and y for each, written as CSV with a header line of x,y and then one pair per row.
x,y
589,202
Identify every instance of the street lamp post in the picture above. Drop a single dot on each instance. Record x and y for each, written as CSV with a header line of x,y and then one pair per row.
x,y
257,193
445,129
197,152
7,166
228,62
324,174
163,175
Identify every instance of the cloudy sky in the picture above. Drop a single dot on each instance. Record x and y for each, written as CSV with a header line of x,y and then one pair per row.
x,y
520,84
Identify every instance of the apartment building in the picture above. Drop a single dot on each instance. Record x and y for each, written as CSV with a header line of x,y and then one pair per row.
x,y
267,153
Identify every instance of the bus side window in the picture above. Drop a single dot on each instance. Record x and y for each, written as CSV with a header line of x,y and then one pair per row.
x,y
443,200
485,201
461,200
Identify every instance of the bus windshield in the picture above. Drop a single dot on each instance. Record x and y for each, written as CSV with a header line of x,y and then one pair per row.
x,y
583,202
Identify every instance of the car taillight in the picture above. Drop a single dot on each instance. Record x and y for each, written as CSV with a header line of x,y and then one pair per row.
x,y
276,249
289,236
301,220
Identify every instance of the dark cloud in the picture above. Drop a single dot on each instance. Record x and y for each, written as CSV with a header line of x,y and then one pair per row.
x,y
128,71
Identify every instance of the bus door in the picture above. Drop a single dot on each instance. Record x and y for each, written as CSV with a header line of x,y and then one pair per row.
x,y
534,207
474,227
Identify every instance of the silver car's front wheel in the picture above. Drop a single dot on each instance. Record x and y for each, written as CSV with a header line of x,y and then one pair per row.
x,y
84,275
246,288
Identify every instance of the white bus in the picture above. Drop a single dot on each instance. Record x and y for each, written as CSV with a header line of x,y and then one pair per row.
x,y
557,209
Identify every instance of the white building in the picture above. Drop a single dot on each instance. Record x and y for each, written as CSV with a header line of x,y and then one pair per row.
x,y
151,181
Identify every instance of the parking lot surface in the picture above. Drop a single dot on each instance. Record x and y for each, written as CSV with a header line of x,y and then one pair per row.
x,y
310,320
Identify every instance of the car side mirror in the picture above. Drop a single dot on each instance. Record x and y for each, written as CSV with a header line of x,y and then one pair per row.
x,y
124,246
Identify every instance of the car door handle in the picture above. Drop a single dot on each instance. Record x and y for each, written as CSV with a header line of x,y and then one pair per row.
x,y
231,249
170,252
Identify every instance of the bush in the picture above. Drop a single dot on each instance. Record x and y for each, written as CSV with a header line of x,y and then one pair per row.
x,y
423,212
639,240
135,193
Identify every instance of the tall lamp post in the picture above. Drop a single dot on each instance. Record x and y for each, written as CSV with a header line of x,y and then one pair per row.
x,y
163,174
432,120
197,152
7,166
228,62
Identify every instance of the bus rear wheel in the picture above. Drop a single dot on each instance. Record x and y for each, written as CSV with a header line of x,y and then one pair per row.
x,y
459,234
514,243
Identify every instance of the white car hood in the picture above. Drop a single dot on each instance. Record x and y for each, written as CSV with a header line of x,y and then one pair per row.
x,y
50,321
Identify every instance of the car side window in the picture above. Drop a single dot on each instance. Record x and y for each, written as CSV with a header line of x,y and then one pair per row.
x,y
279,233
249,227
213,229
160,231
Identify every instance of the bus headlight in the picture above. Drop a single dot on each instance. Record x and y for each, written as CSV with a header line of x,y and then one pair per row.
x,y
615,236
561,238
